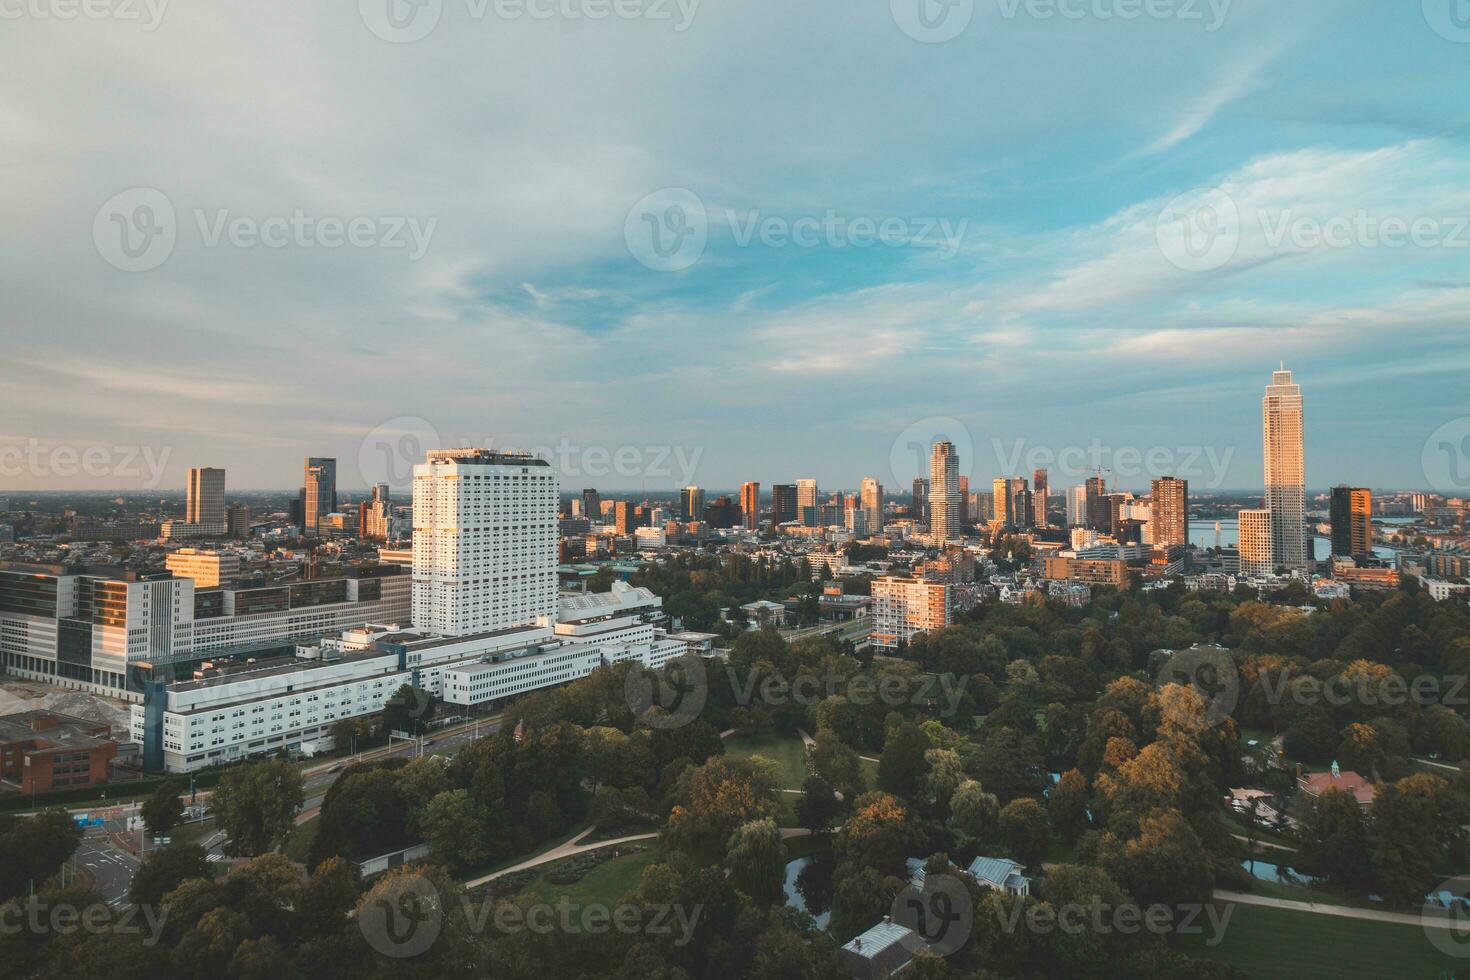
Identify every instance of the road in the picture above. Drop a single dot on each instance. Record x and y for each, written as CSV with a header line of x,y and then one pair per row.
x,y
111,868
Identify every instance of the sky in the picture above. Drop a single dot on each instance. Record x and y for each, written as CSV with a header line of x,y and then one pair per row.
x,y
706,241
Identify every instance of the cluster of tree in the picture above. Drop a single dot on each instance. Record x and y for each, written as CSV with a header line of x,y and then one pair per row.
x,y
32,849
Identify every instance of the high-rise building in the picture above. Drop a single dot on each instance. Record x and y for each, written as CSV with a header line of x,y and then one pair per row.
x,y
1099,511
206,500
484,541
783,504
854,516
1351,512
750,505
1024,506
1008,507
319,491
591,504
944,492
1040,487
1076,506
722,512
1286,490
624,517
237,521
871,494
903,607
691,503
965,517
1170,520
921,500
806,502
1255,543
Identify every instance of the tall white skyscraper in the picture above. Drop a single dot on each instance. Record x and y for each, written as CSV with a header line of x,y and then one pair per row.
x,y
484,541
871,494
1286,490
806,502
944,492
206,500
1076,506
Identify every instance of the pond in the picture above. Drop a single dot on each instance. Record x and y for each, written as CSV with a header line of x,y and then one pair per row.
x,y
1279,873
809,886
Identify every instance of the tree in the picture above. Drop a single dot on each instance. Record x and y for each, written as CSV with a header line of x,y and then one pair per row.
x,y
163,809
1025,831
902,770
453,824
34,848
1165,862
1068,805
878,834
837,763
757,860
976,812
818,805
165,870
254,805
1335,839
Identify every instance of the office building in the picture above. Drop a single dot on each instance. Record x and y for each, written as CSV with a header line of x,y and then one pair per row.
x,y
722,512
691,504
944,493
1102,571
871,495
1010,509
1077,506
319,492
966,517
1169,506
375,515
903,607
1099,512
41,751
484,541
1286,492
205,503
806,503
921,500
591,504
783,504
750,505
1351,513
1040,487
624,517
237,522
207,569
1256,559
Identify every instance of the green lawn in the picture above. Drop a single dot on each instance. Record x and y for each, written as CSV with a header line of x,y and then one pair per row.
x,y
606,884
784,750
1265,942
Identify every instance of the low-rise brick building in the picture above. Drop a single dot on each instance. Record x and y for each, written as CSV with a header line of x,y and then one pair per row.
x,y
41,751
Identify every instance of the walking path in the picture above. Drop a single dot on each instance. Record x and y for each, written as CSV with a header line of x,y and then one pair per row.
x,y
564,850
1346,912
1265,843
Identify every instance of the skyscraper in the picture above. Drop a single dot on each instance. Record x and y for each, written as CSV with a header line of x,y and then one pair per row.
x,y
691,503
1076,506
1255,543
206,500
1040,487
591,504
1099,511
944,492
965,518
1286,491
624,518
872,500
921,500
750,505
1008,505
1351,512
806,502
783,504
1170,501
484,541
319,491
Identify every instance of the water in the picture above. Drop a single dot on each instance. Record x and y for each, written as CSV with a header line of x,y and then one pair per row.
x,y
809,887
1202,535
1281,874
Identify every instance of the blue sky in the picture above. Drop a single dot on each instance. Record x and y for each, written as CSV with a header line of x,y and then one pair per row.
x,y
1063,311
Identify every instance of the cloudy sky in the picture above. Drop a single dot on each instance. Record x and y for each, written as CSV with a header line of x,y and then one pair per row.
x,y
731,239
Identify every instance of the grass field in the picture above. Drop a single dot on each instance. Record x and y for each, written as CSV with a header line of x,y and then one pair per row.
x,y
1265,942
784,750
605,884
